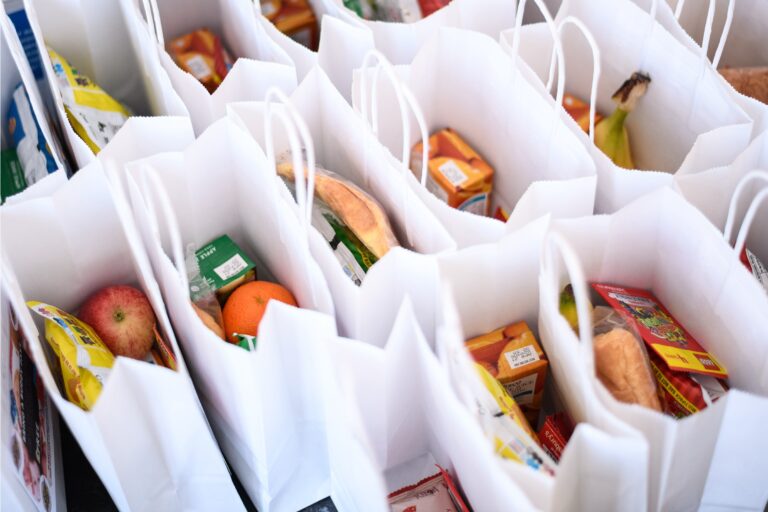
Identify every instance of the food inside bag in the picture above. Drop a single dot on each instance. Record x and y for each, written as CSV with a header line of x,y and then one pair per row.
x,y
611,135
32,150
295,19
677,376
94,115
354,224
12,180
436,493
224,293
202,54
750,81
754,265
399,11
114,321
32,441
513,357
555,434
456,173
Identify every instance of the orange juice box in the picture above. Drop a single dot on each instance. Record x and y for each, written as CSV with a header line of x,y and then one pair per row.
x,y
293,18
513,356
457,174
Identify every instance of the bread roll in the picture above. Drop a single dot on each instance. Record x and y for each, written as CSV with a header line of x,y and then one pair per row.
x,y
752,82
359,211
622,366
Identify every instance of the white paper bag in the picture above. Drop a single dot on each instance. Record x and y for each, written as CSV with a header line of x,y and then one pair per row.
x,y
314,443
345,41
685,123
93,36
15,71
344,146
259,62
411,413
302,57
712,192
490,286
463,81
712,460
146,437
220,185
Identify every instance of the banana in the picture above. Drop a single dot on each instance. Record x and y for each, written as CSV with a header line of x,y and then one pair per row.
x,y
611,133
568,307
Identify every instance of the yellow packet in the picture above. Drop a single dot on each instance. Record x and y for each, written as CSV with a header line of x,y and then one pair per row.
x,y
85,359
505,402
95,116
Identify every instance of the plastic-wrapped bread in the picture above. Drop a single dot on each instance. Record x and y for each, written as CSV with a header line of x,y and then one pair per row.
x,y
752,82
362,214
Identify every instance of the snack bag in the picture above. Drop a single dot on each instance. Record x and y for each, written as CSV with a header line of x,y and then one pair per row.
x,y
94,115
661,332
201,54
32,149
504,422
366,9
85,360
457,174
203,295
353,223
683,394
755,266
437,492
224,265
12,180
555,434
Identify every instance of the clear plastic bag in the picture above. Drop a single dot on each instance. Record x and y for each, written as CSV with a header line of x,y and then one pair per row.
x,y
203,295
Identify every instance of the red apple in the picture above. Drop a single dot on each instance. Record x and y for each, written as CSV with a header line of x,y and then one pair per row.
x,y
123,318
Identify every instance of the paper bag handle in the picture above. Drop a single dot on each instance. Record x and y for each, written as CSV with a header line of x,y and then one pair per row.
x,y
749,217
405,98
152,13
561,71
295,127
556,245
708,27
150,186
553,32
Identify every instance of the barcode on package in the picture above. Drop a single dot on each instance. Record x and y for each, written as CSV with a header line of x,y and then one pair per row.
x,y
198,67
231,267
453,173
521,356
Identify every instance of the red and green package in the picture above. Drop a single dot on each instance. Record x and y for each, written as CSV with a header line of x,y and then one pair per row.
x,y
660,331
202,54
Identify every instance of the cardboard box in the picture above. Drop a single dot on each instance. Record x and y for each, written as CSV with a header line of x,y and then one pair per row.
x,y
457,174
225,266
293,18
513,356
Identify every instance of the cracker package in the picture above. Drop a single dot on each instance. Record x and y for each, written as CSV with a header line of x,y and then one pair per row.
x,y
95,116
295,19
457,174
513,356
85,360
436,493
202,54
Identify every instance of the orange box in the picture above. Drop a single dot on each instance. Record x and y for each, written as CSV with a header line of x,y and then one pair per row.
x,y
293,18
457,174
514,357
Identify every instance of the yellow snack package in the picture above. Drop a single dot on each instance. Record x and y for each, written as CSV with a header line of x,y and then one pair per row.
x,y
85,359
95,116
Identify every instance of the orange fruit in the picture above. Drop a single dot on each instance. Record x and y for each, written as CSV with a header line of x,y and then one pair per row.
x,y
245,308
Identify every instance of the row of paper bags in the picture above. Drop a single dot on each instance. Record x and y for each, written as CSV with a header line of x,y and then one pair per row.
x,y
298,421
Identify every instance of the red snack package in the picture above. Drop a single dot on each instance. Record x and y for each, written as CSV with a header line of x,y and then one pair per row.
x,y
683,394
202,54
430,6
555,433
579,111
434,493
